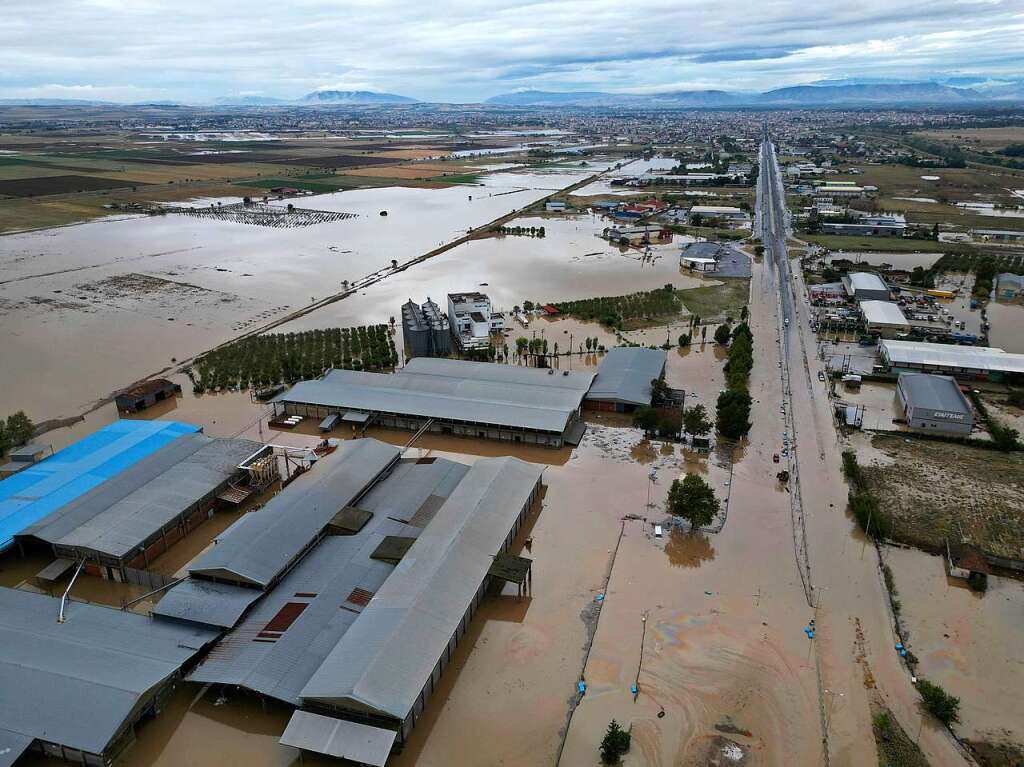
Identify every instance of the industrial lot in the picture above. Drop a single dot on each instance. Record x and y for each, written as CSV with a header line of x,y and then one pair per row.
x,y
428,445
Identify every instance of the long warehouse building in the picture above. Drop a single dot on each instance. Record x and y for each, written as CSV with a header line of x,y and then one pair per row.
x,y
471,399
968,363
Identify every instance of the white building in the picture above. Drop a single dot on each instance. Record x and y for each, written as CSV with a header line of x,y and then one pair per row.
x,y
472,320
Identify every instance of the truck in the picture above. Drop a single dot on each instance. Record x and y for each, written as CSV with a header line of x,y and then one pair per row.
x,y
936,293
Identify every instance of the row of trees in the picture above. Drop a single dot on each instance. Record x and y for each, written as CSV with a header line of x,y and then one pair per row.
x,y
16,430
288,357
520,231
613,311
733,406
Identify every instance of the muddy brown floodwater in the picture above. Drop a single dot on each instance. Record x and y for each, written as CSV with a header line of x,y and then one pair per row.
x,y
88,309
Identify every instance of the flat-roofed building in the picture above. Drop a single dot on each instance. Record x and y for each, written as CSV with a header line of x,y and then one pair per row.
x,y
884,318
934,404
962,362
865,286
470,399
472,320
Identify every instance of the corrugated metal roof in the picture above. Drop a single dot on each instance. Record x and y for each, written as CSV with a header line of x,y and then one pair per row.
x,y
267,541
12,746
933,392
59,479
883,313
206,602
280,666
385,658
118,516
865,281
75,683
481,392
625,375
352,741
948,356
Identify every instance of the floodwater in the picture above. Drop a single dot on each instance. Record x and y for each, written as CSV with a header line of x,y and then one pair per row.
x,y
966,642
1007,331
897,260
570,262
88,309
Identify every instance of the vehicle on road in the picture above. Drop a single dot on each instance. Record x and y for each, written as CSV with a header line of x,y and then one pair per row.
x,y
821,376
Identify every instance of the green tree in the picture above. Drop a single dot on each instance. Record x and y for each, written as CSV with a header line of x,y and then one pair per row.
x,y
938,702
5,438
645,418
693,500
684,339
703,332
744,313
733,413
615,743
528,305
696,421
1003,437
722,334
20,428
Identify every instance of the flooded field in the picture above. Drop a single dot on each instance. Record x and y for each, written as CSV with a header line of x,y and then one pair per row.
x,y
966,642
1007,331
87,309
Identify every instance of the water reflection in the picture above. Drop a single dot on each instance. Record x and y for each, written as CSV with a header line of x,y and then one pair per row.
x,y
688,549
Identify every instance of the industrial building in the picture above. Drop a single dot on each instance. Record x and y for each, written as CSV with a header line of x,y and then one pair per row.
x,y
131,518
934,404
998,235
884,318
426,330
727,213
962,362
471,399
46,486
623,381
76,679
321,615
1009,287
472,321
871,226
865,286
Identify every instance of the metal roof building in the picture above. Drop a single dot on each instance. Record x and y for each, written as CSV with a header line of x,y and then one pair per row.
x,y
885,317
478,399
78,688
387,663
970,362
624,377
865,286
934,404
259,548
32,494
120,521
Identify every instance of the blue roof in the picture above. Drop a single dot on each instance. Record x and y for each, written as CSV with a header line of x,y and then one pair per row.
x,y
31,494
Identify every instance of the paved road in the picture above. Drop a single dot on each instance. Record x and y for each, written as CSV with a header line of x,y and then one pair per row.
x,y
855,658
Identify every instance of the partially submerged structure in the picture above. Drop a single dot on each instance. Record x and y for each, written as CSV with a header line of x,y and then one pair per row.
x,y
347,594
472,399
76,689
426,329
145,394
962,362
865,286
884,318
623,381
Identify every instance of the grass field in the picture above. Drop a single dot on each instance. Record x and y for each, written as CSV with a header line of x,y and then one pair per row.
x,y
891,244
979,138
717,300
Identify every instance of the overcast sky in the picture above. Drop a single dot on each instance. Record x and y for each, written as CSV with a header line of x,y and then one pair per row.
x,y
466,50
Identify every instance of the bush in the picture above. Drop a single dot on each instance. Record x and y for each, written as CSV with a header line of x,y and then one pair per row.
x,y
938,702
722,335
615,743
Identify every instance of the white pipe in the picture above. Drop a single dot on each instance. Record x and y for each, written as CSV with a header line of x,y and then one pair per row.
x,y
64,599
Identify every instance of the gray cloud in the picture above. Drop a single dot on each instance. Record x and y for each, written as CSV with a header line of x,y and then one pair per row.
x,y
461,50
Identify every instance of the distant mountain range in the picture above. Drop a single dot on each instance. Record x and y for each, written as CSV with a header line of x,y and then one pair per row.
x,y
355,97
944,91
824,94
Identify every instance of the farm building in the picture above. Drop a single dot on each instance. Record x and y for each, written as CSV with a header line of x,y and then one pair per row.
x,y
76,689
865,286
470,399
623,381
334,538
130,519
934,404
883,318
998,235
963,362
60,479
145,394
23,457
426,329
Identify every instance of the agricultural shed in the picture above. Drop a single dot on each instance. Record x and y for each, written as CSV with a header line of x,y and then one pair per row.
x,y
476,399
46,486
623,380
77,689
136,515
